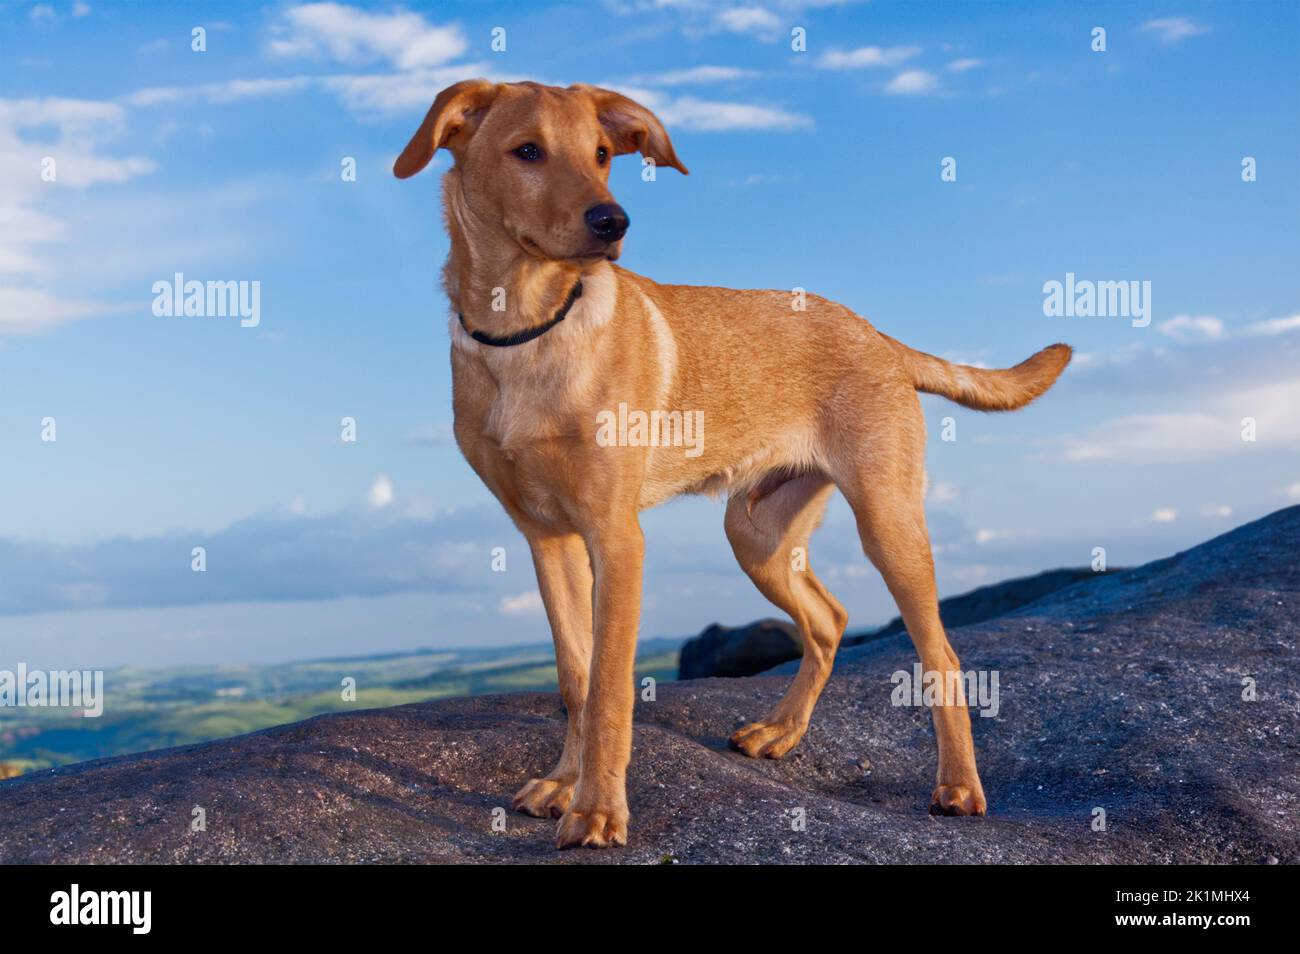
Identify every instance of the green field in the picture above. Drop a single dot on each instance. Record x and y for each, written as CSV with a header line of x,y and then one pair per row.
x,y
156,708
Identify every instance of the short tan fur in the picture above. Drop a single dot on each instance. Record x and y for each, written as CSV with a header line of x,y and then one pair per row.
x,y
796,403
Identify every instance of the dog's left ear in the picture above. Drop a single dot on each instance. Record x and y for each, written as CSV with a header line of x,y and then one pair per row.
x,y
632,127
452,118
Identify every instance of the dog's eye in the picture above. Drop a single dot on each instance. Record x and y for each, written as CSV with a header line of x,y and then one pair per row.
x,y
602,155
528,152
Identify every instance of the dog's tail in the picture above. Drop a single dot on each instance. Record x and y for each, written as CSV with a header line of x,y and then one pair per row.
x,y
984,389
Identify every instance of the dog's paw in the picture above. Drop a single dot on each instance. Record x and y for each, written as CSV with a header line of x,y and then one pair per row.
x,y
544,797
958,800
766,740
592,829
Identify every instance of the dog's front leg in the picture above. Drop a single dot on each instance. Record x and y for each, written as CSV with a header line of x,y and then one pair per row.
x,y
564,578
598,816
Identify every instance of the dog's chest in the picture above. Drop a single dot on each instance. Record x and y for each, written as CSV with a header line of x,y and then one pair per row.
x,y
515,404
519,427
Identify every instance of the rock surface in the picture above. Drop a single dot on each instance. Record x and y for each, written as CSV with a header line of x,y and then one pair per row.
x,y
739,650
1122,694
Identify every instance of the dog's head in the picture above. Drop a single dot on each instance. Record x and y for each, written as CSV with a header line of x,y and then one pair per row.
x,y
533,160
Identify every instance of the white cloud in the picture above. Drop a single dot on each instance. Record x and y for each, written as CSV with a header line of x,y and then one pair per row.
x,y
755,179
43,15
381,492
867,56
80,10
1274,326
1293,491
1152,437
40,138
1164,515
748,20
688,112
1194,328
971,574
269,556
367,93
694,76
962,65
229,91
1171,30
943,492
1188,328
26,311
69,115
1222,511
438,434
764,20
398,92
521,604
711,116
912,82
1212,430
414,46
389,93
349,35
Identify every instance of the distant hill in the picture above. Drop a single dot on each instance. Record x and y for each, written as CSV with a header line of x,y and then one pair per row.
x,y
157,708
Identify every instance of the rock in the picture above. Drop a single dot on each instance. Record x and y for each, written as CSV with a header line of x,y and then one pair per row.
x,y
1140,673
739,651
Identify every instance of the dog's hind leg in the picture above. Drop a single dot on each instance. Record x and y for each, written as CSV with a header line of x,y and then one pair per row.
x,y
564,578
886,491
770,538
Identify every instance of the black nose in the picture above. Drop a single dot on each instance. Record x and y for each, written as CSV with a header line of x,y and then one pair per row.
x,y
607,221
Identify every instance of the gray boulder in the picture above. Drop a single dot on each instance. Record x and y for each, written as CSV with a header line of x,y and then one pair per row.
x,y
739,650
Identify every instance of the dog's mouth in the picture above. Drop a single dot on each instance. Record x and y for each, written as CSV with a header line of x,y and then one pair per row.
x,y
530,246
607,253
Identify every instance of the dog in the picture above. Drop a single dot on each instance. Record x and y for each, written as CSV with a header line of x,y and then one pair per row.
x,y
549,337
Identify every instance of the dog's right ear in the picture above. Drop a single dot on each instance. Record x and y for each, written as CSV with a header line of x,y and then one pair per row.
x,y
632,127
451,120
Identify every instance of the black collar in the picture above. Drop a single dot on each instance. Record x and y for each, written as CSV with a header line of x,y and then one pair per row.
x,y
519,337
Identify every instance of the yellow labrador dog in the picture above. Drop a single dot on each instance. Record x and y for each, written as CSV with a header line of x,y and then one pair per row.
x,y
584,394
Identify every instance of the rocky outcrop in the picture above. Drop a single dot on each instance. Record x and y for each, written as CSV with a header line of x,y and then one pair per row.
x,y
1164,700
739,650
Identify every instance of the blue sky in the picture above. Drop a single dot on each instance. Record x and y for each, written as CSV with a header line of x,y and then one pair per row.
x,y
818,169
